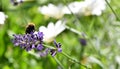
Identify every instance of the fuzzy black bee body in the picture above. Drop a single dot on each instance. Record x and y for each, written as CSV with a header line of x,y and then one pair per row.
x,y
30,28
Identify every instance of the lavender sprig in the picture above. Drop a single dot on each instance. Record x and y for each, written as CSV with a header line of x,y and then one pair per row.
x,y
29,41
34,40
58,48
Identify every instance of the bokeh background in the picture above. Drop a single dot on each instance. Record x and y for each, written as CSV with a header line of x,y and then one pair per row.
x,y
102,35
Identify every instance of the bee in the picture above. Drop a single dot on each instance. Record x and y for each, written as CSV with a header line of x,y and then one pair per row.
x,y
30,28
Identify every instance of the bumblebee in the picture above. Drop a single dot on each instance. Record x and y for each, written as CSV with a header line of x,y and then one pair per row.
x,y
30,28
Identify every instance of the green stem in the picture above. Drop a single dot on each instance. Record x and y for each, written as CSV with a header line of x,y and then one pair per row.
x,y
48,46
112,10
82,52
59,63
76,61
74,30
117,66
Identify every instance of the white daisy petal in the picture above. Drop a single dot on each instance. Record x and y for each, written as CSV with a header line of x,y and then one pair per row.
x,y
95,6
59,27
52,11
86,7
2,17
52,31
42,29
58,24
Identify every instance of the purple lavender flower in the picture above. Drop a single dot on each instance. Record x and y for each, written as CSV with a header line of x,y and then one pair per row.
x,y
58,48
40,36
53,52
29,41
34,40
83,42
44,53
39,47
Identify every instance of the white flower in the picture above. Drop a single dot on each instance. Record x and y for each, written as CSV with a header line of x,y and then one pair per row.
x,y
2,17
51,31
87,7
117,58
19,1
52,11
94,7
73,7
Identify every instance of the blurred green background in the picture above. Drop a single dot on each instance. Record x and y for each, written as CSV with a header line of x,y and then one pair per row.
x,y
103,38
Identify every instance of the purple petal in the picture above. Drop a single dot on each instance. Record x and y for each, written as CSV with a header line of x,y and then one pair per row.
x,y
44,53
28,49
58,45
59,49
16,44
55,43
39,47
33,46
53,52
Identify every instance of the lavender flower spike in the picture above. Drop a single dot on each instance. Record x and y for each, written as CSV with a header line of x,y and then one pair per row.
x,y
58,48
29,41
